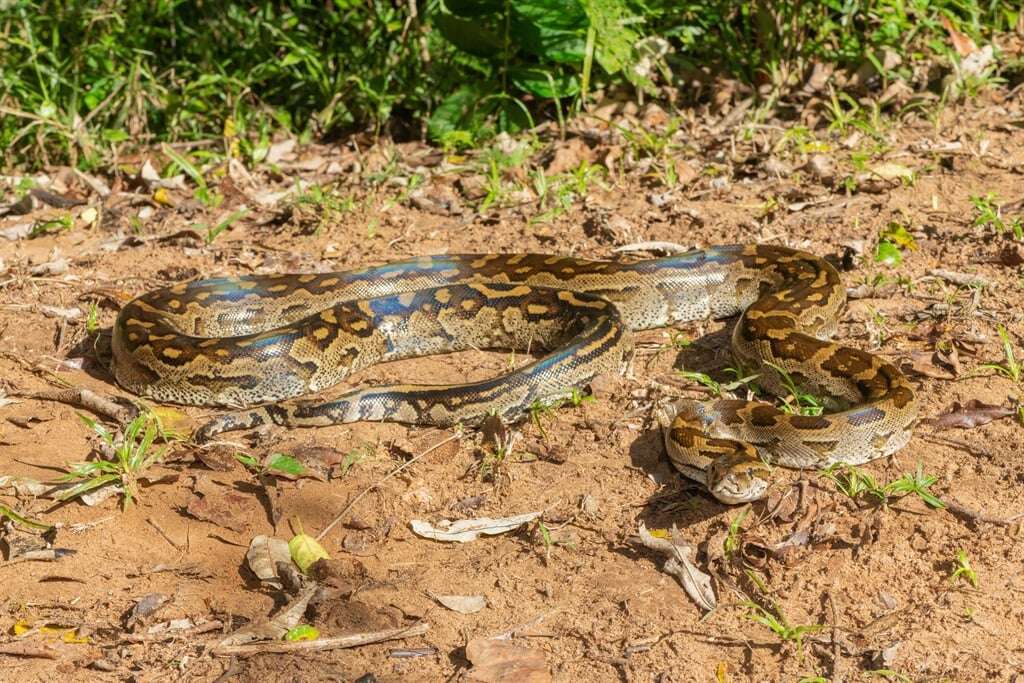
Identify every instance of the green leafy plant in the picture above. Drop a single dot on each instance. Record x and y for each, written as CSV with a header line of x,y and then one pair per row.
x,y
854,483
798,402
989,214
716,387
133,454
777,623
732,539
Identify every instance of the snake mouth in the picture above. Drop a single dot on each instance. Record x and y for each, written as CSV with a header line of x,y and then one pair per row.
x,y
734,490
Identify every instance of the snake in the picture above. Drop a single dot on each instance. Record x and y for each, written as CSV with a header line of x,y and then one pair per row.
x,y
255,344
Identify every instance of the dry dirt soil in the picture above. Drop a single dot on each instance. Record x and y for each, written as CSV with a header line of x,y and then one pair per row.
x,y
863,590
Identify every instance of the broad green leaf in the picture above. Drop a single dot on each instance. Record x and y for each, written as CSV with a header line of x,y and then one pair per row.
x,y
302,632
543,83
553,14
471,36
615,39
285,463
556,45
888,254
305,551
458,111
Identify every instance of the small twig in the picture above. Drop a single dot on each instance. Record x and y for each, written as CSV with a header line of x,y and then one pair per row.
x,y
962,279
20,650
400,468
87,399
339,642
153,523
978,516
206,627
517,630
957,443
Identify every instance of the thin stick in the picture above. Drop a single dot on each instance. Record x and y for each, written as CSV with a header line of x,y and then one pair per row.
x,y
393,472
339,642
153,523
977,516
21,650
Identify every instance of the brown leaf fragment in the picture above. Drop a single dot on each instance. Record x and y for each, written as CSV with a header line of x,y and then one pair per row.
x,y
500,661
274,629
225,509
263,556
146,606
680,564
961,42
974,414
463,604
921,363
343,574
219,458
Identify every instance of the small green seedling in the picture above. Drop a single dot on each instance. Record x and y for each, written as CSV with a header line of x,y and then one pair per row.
x,y
1010,368
716,387
916,483
732,539
962,570
854,482
133,454
988,213
92,318
779,626
799,402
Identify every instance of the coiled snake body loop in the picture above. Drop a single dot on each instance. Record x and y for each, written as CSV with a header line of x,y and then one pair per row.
x,y
266,339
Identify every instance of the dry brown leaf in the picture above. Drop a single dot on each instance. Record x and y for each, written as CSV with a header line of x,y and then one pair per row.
x,y
263,555
466,530
463,604
226,509
500,661
974,414
285,620
961,42
680,565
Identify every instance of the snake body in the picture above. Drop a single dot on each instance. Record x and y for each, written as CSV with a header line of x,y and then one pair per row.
x,y
254,343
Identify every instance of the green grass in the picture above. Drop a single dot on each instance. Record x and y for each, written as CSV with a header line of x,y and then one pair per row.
x,y
777,623
856,483
989,214
1010,367
81,80
133,453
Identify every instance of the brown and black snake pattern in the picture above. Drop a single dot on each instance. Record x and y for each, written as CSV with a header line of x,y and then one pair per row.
x,y
255,343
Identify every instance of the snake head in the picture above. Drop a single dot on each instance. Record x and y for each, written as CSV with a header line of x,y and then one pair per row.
x,y
739,477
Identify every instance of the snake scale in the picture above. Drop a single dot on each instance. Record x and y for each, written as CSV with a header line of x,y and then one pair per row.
x,y
254,343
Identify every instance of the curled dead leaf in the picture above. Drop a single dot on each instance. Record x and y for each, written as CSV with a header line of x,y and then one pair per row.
x,y
466,530
679,564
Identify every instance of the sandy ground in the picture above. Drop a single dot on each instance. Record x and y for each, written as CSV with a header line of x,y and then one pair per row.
x,y
875,580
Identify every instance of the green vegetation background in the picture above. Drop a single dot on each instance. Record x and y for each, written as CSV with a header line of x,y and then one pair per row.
x,y
79,78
